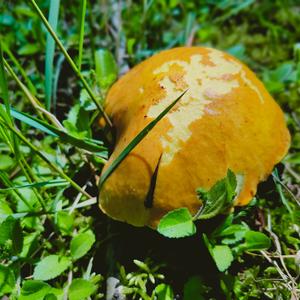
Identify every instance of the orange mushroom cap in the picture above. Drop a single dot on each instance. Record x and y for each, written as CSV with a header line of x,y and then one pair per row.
x,y
226,120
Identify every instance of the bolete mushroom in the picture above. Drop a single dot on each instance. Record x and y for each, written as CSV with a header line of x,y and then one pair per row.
x,y
226,120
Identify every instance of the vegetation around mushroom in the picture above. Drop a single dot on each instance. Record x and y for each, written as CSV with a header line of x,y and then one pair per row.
x,y
58,61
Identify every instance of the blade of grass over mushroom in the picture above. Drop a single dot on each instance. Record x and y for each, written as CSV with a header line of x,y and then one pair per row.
x,y
71,62
81,32
136,141
87,144
50,49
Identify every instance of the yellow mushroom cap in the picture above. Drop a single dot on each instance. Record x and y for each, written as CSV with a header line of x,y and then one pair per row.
x,y
226,120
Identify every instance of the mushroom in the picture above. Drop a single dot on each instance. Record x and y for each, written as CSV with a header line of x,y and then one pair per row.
x,y
225,120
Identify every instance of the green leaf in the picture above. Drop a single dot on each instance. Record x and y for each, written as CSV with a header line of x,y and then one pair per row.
x,y
34,290
222,256
6,162
5,211
7,280
106,68
164,292
255,241
177,223
65,222
39,290
82,243
136,141
10,229
50,267
194,289
29,49
30,243
219,198
78,122
81,289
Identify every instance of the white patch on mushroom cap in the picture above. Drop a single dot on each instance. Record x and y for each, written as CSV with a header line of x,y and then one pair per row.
x,y
205,83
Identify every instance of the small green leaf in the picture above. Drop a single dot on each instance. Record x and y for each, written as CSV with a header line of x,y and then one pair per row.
x,y
255,241
177,223
10,229
39,290
81,289
6,162
222,256
106,68
194,289
30,243
219,197
82,243
50,267
34,290
164,292
64,222
29,49
5,211
7,280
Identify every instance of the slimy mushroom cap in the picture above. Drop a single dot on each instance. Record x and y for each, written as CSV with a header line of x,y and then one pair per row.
x,y
225,120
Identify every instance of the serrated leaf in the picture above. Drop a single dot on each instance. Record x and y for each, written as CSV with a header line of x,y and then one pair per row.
x,y
219,197
50,267
222,256
177,223
81,289
81,244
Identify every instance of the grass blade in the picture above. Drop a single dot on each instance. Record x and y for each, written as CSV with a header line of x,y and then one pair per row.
x,y
44,158
87,144
50,49
49,183
5,110
81,32
71,62
136,141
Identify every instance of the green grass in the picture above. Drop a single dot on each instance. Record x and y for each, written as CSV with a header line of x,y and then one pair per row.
x,y
54,240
